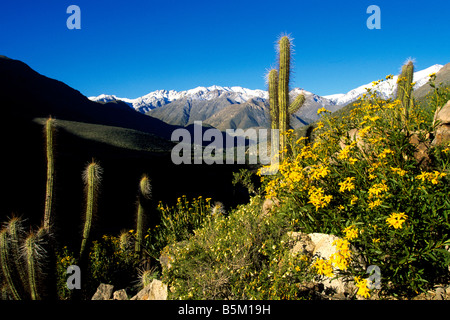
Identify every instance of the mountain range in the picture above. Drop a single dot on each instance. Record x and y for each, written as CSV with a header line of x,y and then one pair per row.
x,y
237,107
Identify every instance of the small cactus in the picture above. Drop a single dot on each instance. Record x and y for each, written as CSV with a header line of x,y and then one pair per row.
x,y
92,178
34,253
8,265
145,192
15,232
404,88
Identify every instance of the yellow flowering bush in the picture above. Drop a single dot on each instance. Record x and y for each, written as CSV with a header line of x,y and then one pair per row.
x,y
356,177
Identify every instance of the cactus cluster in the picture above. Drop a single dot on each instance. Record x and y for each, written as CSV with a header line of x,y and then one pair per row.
x,y
21,258
278,80
27,262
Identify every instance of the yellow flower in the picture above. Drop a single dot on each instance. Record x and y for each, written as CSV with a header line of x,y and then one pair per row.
x,y
323,267
363,290
385,152
341,258
431,176
351,232
396,219
318,198
377,189
347,184
375,203
399,171
322,110
319,172
353,200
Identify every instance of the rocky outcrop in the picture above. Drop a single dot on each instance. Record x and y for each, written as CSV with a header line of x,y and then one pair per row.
x,y
104,292
156,290
319,245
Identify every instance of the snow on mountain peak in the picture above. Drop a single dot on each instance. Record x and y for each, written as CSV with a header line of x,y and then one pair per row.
x,y
159,98
386,88
238,94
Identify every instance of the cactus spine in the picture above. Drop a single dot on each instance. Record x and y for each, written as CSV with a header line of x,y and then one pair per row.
x,y
92,178
404,88
145,191
49,136
280,107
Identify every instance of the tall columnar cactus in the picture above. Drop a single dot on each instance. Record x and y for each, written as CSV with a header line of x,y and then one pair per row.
x,y
49,137
145,192
34,253
404,88
280,107
92,178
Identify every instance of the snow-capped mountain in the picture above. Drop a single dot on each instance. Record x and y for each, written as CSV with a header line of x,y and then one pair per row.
x,y
237,107
160,98
386,88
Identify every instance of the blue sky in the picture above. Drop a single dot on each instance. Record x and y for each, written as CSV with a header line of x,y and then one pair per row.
x,y
130,48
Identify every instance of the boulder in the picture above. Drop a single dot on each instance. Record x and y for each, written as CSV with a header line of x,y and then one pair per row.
x,y
320,245
268,206
156,290
120,295
104,292
421,154
442,122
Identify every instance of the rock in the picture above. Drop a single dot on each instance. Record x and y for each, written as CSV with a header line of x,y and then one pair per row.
x,y
442,115
120,295
439,294
156,290
320,245
104,292
442,122
442,134
421,154
302,243
268,206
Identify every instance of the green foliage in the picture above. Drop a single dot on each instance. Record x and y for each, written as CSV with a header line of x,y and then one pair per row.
x,y
177,223
244,255
244,177
64,259
110,261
